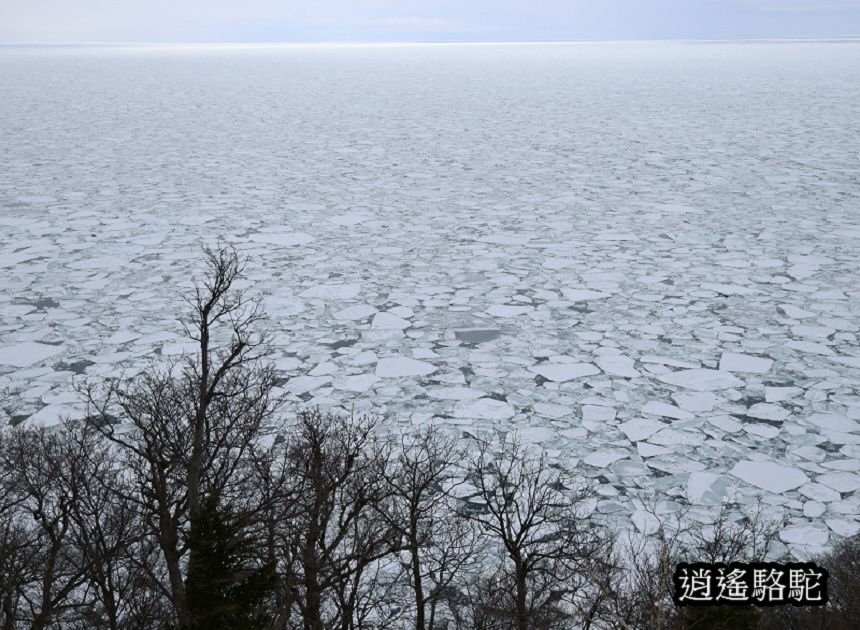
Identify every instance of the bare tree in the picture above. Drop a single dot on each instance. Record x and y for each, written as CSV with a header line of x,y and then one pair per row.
x,y
33,464
637,587
108,534
66,539
439,543
333,541
16,542
843,608
195,422
538,516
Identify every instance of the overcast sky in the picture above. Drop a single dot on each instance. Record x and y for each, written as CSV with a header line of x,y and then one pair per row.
x,y
419,20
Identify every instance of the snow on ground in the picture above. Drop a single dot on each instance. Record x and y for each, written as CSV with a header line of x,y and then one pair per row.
x,y
644,257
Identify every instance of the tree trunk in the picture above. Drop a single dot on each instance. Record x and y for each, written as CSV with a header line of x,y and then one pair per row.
x,y
420,622
521,597
168,541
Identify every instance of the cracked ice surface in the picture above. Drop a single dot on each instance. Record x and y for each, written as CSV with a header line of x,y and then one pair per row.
x,y
669,265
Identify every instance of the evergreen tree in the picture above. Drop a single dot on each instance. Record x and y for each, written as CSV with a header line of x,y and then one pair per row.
x,y
225,589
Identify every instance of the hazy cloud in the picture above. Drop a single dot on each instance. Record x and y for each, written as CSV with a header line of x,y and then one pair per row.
x,y
397,20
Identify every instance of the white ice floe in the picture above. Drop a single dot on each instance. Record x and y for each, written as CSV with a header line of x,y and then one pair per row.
x,y
284,239
551,410
805,535
795,312
27,353
778,394
651,450
55,414
811,453
393,367
355,312
770,476
455,393
506,310
840,481
536,435
357,383
333,291
122,336
562,372
645,522
706,488
640,428
695,401
834,422
583,295
819,492
843,527
734,362
701,379
598,413
388,321
729,289
813,332
617,366
602,459
849,361
484,409
768,411
813,509
349,219
676,438
303,384
809,347
656,408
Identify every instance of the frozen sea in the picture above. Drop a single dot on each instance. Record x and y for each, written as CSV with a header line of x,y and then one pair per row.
x,y
645,257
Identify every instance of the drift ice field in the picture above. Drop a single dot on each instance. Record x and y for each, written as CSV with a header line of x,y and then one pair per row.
x,y
644,258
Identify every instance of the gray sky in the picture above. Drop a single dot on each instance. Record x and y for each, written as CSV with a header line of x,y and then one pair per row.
x,y
419,20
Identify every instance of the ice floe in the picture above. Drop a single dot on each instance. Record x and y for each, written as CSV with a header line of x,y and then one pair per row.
x,y
770,476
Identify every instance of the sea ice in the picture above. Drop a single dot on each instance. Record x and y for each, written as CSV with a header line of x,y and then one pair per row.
x,y
581,295
602,459
805,535
768,411
355,312
843,527
551,410
695,401
393,367
332,291
617,366
610,288
55,414
387,321
813,509
484,409
834,422
734,362
455,393
656,408
562,372
707,488
284,239
640,428
27,353
701,379
770,476
504,310
357,383
840,481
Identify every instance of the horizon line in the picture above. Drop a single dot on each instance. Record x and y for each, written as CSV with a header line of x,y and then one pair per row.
x,y
395,43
